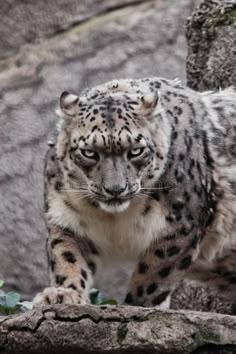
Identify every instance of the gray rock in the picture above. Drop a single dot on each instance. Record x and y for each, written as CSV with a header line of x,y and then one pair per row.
x,y
116,329
211,36
193,296
29,21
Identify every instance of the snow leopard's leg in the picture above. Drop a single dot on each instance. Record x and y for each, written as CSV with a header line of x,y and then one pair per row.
x,y
72,266
161,269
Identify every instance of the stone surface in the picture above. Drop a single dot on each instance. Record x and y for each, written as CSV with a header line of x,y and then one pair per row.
x,y
211,36
30,21
116,329
98,41
192,296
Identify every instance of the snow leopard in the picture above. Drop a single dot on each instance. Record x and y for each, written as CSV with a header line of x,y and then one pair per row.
x,y
142,171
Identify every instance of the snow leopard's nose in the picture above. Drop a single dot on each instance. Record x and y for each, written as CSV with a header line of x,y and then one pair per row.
x,y
115,190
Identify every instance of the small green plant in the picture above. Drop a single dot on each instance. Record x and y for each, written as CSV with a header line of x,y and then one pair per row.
x,y
8,301
97,298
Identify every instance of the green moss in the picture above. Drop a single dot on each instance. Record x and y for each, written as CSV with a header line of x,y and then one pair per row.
x,y
122,332
207,336
218,19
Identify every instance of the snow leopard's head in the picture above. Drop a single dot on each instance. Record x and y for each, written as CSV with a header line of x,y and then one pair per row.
x,y
113,144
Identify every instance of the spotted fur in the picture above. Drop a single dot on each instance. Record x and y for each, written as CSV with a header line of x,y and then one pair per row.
x,y
142,171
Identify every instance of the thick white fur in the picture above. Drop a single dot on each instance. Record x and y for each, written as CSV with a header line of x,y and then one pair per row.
x,y
120,236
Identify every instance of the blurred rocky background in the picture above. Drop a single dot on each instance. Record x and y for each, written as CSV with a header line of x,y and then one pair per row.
x,y
47,47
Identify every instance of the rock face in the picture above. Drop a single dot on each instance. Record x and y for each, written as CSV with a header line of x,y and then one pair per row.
x,y
30,21
116,329
66,45
211,36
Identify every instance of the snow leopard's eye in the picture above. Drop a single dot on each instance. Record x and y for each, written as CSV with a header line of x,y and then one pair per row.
x,y
90,154
135,152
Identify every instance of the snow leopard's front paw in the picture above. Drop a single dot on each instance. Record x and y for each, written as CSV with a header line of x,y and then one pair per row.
x,y
60,295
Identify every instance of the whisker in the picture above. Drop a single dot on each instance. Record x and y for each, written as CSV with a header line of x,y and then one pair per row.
x,y
83,197
74,190
157,188
80,194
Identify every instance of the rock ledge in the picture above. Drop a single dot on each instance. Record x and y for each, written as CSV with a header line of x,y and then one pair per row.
x,y
116,329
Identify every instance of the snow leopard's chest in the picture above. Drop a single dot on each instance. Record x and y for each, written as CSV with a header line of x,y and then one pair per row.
x,y
124,236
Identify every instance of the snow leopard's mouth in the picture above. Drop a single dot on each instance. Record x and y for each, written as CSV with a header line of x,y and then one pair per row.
x,y
115,201
114,205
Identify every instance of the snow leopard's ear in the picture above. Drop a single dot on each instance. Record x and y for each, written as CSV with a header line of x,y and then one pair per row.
x,y
149,102
69,103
